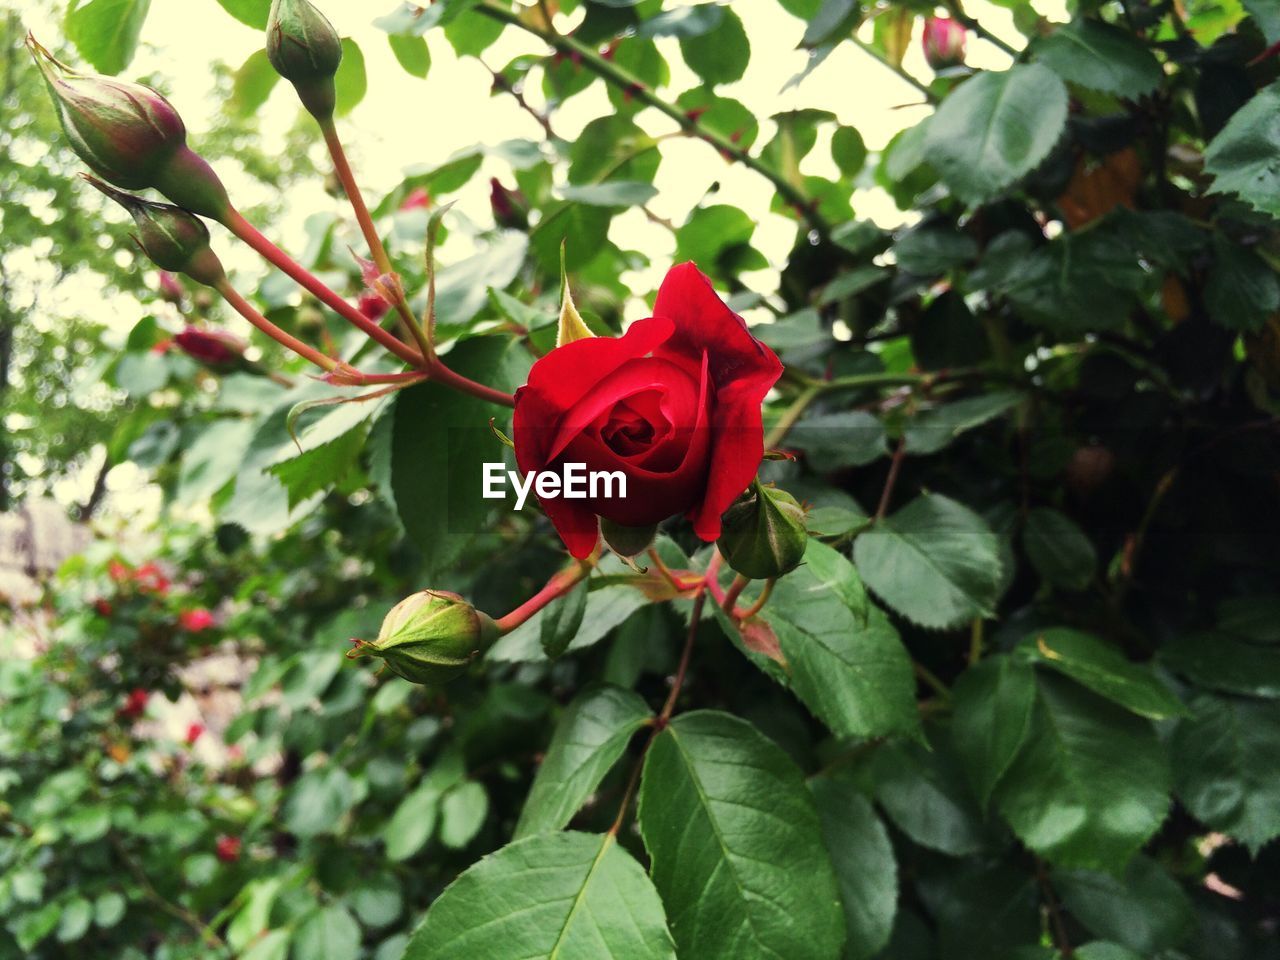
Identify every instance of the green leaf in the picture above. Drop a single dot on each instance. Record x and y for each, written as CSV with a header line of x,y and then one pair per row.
x,y
562,620
1059,549
1224,767
252,84
1253,617
1100,950
720,56
920,787
1218,661
592,734
935,428
413,823
378,900
991,713
412,53
1244,158
613,193
933,249
272,945
328,934
1242,290
252,13
995,128
462,814
717,238
1106,671
106,32
108,909
1144,909
935,561
837,441
553,895
848,151
1090,784
351,81
1098,56
321,467
849,668
736,845
691,21
607,607
76,917
440,441
317,801
471,33
866,871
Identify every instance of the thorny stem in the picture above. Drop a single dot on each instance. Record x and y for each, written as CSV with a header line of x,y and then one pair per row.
x,y
247,232
633,87
376,249
560,584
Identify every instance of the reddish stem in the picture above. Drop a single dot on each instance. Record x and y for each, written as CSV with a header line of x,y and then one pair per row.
x,y
895,465
437,371
557,586
247,232
246,310
735,590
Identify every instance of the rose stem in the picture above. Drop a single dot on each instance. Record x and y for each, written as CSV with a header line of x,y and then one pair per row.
x,y
246,310
247,232
761,600
624,80
379,252
557,586
891,480
735,590
435,369
669,575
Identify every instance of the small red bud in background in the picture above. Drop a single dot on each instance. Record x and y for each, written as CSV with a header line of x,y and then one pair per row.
x,y
373,306
118,572
103,607
135,703
196,620
227,849
943,42
213,348
510,208
170,287
149,578
193,733
418,199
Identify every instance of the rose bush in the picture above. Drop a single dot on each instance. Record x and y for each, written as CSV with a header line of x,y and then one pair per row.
x,y
673,404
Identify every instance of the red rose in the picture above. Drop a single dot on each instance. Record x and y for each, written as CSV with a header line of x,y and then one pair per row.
x,y
227,849
193,733
135,703
151,579
196,620
674,404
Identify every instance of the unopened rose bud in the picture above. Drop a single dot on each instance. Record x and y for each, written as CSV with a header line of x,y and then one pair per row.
x,y
174,239
626,541
430,637
417,199
218,349
305,49
227,849
170,287
130,135
944,42
762,534
510,208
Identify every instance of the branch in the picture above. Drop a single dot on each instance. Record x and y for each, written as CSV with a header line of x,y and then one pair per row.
x,y
631,85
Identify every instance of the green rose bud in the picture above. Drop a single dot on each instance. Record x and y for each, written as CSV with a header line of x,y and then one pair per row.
x,y
305,49
172,238
430,637
130,135
762,534
626,541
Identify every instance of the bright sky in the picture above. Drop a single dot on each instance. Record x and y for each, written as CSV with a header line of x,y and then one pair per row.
x,y
406,121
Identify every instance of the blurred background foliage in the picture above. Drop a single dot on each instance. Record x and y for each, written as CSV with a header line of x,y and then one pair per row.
x,y
1039,418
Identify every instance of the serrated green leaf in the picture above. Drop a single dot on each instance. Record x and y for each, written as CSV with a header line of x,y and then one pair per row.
x,y
590,737
1218,661
1244,158
866,870
552,895
1090,784
330,933
1144,909
1098,56
1224,767
106,32
935,561
991,713
836,441
935,428
1059,549
562,619
720,56
736,845
995,128
1106,671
